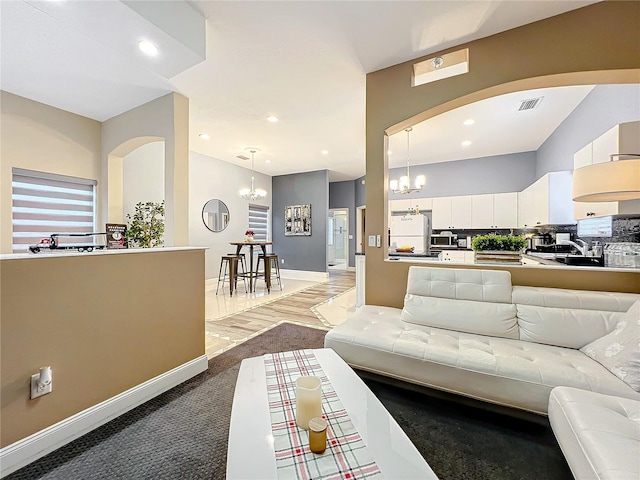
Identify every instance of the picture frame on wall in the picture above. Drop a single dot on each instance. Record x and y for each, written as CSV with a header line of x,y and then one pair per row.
x,y
297,220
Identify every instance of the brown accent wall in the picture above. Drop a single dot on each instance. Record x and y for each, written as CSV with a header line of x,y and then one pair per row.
x,y
105,323
595,44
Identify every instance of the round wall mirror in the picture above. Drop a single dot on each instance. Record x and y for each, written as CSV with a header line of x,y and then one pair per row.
x,y
215,215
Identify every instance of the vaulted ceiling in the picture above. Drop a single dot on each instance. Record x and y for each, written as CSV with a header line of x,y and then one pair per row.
x,y
303,62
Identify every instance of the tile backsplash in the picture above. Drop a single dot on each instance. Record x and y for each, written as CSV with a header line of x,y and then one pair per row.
x,y
624,230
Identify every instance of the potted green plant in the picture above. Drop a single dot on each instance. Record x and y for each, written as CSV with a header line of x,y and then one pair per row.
x,y
146,227
494,248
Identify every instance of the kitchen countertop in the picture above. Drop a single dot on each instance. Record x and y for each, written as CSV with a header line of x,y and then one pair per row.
x,y
544,263
75,253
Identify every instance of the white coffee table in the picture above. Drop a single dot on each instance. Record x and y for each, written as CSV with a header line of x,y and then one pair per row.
x,y
250,454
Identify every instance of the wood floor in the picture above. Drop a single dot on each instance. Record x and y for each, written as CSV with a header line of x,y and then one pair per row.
x,y
227,332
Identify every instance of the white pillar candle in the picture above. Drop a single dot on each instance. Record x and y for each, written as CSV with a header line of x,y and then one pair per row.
x,y
308,400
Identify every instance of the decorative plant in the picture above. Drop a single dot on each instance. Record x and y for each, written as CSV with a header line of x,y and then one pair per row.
x,y
508,243
146,227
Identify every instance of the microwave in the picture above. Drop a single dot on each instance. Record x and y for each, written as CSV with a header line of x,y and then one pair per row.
x,y
444,240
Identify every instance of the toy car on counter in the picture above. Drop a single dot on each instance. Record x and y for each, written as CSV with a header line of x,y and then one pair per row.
x,y
53,243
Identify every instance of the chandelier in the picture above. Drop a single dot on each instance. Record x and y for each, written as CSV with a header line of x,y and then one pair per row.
x,y
253,193
404,184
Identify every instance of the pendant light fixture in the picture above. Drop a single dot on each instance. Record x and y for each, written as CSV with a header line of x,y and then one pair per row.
x,y
253,193
612,181
404,184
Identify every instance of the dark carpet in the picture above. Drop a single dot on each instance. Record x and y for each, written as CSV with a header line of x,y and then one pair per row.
x,y
182,434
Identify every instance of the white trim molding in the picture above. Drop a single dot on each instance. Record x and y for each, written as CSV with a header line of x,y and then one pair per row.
x,y
33,447
304,275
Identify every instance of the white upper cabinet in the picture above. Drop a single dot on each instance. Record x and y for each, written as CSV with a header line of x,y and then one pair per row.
x,y
441,215
623,138
452,212
547,201
482,211
505,210
499,210
583,157
461,212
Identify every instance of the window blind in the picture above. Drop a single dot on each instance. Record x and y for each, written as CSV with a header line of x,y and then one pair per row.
x,y
44,203
259,222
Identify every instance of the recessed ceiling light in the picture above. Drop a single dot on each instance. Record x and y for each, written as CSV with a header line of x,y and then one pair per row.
x,y
272,118
204,136
325,152
469,121
148,48
466,143
267,161
389,152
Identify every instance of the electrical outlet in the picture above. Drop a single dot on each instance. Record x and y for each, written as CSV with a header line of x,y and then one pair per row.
x,y
283,261
39,388
378,241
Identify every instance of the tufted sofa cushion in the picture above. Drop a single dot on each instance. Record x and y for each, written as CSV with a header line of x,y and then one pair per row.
x,y
598,434
460,284
568,318
484,318
472,301
579,299
499,370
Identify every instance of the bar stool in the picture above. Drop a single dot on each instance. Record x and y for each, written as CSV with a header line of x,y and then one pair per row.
x,y
243,259
268,261
231,261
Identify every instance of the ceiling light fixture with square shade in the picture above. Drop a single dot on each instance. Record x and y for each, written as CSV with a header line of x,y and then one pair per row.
x,y
253,193
404,184
612,181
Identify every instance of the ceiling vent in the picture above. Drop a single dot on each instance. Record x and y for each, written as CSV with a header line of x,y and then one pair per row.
x,y
529,104
242,157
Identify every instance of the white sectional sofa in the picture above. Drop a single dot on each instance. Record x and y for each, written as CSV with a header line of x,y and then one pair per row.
x,y
472,333
598,434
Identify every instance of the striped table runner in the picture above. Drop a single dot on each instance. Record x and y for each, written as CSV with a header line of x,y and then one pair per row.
x,y
346,456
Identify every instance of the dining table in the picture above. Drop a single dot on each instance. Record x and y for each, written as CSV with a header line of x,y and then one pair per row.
x,y
252,274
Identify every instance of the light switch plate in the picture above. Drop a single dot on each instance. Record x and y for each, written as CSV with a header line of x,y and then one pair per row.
x,y
378,241
372,240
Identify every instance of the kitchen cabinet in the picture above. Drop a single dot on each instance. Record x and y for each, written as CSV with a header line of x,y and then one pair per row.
x,y
499,210
441,216
583,157
457,256
547,201
623,138
452,212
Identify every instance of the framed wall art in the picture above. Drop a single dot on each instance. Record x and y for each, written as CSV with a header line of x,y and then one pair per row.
x,y
297,220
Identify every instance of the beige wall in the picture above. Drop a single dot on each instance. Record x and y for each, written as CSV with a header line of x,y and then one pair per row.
x,y
38,137
105,323
165,118
595,44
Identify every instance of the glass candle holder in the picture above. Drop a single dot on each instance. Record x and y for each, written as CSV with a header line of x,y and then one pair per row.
x,y
308,400
318,435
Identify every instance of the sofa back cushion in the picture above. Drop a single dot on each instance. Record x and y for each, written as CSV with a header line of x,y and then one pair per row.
x,y
568,318
482,318
579,299
460,284
465,300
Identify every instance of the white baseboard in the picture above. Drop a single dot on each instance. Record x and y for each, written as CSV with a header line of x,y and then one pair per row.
x,y
29,449
304,275
351,269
